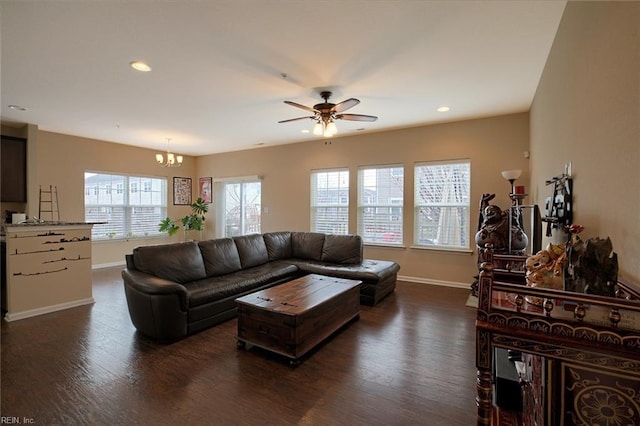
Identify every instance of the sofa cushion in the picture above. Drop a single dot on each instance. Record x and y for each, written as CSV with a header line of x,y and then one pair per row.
x,y
252,250
180,262
342,249
307,245
278,245
369,271
220,256
215,288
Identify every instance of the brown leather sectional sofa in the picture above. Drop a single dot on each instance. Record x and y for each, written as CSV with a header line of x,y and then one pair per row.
x,y
175,290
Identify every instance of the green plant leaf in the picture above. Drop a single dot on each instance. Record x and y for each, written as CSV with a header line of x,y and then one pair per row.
x,y
193,221
168,225
199,207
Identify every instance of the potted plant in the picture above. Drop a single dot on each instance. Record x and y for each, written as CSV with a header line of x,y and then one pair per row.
x,y
190,222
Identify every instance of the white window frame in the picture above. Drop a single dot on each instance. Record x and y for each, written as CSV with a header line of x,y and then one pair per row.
x,y
432,198
380,197
330,195
124,225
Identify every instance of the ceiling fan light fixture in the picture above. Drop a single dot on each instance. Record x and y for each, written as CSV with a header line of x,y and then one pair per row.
x,y
318,128
325,114
330,129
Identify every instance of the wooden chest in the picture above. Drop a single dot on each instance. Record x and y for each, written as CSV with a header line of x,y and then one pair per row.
x,y
292,318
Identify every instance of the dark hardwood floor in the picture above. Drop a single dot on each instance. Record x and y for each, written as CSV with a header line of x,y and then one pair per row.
x,y
408,360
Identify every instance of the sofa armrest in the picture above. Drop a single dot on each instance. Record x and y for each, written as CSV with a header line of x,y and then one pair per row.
x,y
152,285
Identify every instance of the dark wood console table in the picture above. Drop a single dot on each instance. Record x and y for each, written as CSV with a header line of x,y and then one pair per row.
x,y
584,351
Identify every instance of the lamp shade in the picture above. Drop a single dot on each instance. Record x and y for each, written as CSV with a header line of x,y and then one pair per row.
x,y
511,174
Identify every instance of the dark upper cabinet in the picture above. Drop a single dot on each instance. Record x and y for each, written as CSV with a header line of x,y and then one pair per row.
x,y
14,169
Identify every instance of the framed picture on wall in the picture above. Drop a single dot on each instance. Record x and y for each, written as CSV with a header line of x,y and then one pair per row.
x,y
181,191
205,186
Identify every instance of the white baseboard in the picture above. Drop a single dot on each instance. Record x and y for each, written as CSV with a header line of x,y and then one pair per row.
x,y
434,282
47,309
108,265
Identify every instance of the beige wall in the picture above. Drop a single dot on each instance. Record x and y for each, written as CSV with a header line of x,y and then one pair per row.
x,y
62,160
492,145
587,111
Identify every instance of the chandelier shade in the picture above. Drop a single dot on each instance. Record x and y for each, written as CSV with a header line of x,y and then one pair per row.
x,y
318,128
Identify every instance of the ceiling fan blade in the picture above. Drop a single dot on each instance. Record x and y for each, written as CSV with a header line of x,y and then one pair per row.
x,y
345,105
304,107
356,117
295,119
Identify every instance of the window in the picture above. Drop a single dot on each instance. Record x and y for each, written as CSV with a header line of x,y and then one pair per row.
x,y
330,201
380,202
242,208
127,214
442,204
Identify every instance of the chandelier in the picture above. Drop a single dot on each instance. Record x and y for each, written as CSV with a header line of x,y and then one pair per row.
x,y
171,160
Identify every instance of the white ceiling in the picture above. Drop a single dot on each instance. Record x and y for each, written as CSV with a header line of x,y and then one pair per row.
x,y
217,82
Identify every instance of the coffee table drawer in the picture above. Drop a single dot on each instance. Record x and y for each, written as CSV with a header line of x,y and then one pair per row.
x,y
269,330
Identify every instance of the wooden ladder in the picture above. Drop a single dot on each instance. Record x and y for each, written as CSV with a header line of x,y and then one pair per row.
x,y
49,203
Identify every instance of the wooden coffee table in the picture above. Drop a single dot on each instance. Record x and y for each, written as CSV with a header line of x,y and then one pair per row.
x,y
292,318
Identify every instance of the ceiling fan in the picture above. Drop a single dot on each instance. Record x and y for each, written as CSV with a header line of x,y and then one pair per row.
x,y
325,114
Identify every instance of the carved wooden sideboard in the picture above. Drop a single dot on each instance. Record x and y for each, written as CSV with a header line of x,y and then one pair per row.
x,y
583,351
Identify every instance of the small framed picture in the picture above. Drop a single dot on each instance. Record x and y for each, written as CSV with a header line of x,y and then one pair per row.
x,y
205,185
181,191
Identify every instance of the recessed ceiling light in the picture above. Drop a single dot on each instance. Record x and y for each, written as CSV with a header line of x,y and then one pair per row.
x,y
304,131
443,109
140,66
17,107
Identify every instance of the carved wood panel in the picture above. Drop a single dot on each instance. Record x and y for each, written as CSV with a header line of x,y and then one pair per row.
x,y
590,396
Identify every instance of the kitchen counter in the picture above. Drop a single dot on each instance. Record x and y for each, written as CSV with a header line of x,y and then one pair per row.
x,y
48,268
48,223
